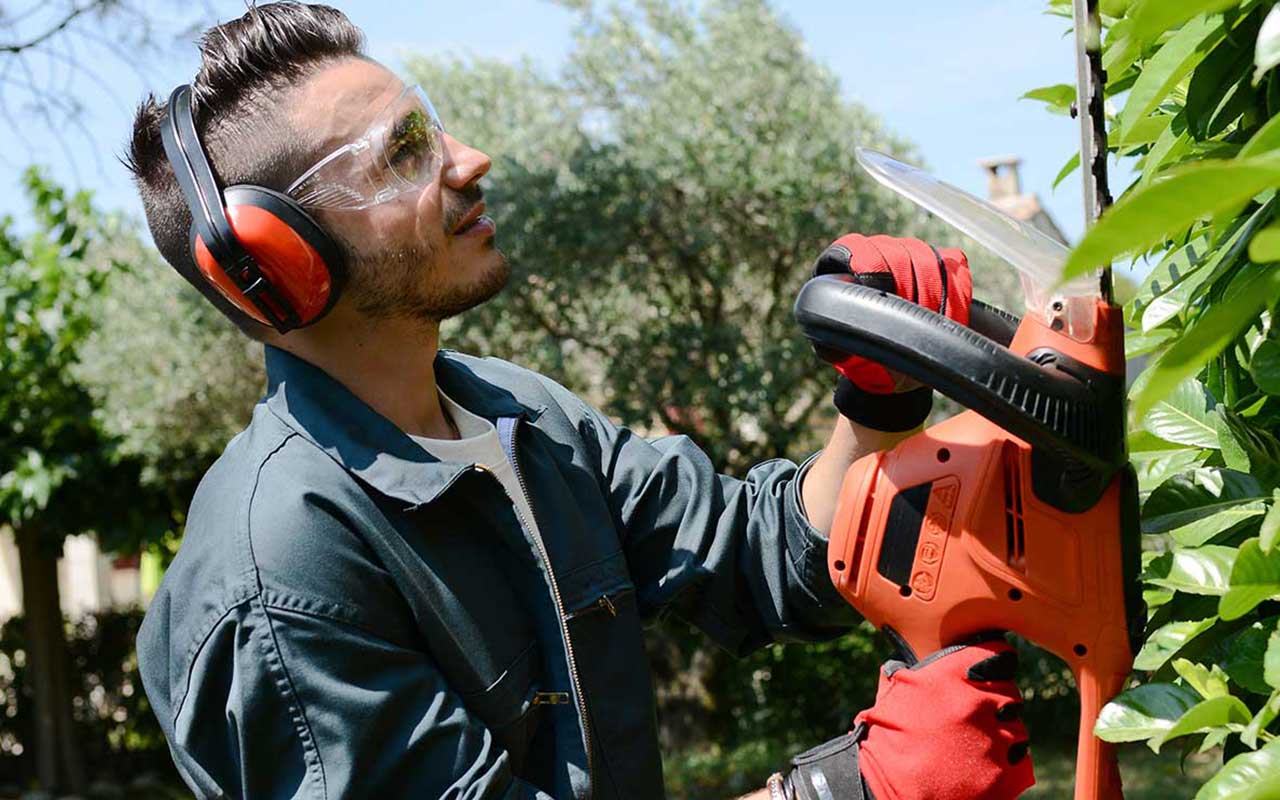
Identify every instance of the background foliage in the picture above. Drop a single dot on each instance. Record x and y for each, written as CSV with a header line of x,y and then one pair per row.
x,y
122,740
1193,105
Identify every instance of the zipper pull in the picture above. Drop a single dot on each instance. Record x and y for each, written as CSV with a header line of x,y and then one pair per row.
x,y
550,698
607,604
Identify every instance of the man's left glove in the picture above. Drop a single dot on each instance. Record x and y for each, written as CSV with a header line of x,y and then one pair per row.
x,y
944,728
867,392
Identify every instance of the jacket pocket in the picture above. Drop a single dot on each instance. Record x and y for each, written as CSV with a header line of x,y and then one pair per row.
x,y
595,586
615,676
510,696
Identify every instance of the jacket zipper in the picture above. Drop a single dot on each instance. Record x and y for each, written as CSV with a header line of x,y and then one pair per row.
x,y
604,602
555,588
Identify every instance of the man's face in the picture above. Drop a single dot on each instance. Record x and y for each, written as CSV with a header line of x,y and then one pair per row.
x,y
415,255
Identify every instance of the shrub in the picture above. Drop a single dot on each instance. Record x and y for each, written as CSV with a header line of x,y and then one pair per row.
x,y
1196,98
120,738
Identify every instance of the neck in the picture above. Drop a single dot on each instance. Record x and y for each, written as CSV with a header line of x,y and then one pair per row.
x,y
389,364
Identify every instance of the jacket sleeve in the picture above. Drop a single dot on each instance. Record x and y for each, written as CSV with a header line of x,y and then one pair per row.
x,y
286,701
738,558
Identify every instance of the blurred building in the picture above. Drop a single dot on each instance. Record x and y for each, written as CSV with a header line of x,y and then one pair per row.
x,y
88,579
1004,191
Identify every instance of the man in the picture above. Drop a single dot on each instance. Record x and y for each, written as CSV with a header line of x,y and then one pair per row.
x,y
420,574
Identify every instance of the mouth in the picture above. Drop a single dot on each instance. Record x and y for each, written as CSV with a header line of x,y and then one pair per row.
x,y
474,219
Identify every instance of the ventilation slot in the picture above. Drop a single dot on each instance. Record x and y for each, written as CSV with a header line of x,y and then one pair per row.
x,y
1014,527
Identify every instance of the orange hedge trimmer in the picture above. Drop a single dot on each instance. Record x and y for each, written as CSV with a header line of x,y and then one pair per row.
x,y
1020,514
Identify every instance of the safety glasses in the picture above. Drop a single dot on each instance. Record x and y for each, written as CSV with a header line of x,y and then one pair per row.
x,y
401,151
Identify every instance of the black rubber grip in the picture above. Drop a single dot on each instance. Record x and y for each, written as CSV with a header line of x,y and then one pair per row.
x,y
993,323
1071,415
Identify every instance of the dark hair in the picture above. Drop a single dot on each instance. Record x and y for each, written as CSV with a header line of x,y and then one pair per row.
x,y
247,65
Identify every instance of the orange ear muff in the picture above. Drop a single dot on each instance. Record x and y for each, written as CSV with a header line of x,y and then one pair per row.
x,y
300,260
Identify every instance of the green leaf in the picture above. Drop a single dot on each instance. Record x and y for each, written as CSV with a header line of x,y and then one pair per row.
x,y
1255,576
1177,268
1155,598
1071,166
1219,87
1213,739
1143,342
1270,530
1264,367
1249,293
1169,204
1154,467
1244,655
1167,640
1209,682
1151,18
1197,495
1144,712
1267,53
1200,570
1250,439
1058,97
1233,452
1167,150
1171,63
1114,8
1184,417
1265,716
1194,534
1212,713
1265,139
1145,131
1265,245
1271,661
1248,776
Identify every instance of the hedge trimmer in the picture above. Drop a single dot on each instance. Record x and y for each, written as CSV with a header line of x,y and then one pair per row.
x,y
1020,514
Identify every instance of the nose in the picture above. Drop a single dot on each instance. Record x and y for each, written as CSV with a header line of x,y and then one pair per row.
x,y
463,165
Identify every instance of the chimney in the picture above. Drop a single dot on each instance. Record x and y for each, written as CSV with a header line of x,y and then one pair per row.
x,y
1002,177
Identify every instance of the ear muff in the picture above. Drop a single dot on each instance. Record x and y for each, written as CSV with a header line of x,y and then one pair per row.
x,y
301,262
257,247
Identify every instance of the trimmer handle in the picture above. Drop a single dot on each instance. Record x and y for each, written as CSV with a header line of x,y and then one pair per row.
x,y
1071,414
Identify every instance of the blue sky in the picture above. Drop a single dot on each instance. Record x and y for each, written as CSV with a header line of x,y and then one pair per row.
x,y
945,74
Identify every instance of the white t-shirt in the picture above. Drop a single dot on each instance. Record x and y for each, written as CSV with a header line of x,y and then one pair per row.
x,y
479,444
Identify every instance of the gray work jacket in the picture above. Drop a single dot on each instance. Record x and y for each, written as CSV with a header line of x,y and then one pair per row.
x,y
350,617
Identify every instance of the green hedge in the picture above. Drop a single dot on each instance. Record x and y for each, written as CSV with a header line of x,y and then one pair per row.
x,y
119,736
1192,104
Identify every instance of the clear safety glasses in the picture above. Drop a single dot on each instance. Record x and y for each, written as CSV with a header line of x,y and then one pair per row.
x,y
401,151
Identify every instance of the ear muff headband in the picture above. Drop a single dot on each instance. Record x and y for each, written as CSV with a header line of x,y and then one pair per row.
x,y
296,249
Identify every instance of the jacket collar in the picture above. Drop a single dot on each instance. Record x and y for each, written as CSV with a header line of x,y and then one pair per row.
x,y
364,442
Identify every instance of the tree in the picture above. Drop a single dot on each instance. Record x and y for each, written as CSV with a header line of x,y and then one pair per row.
x,y
172,380
59,473
661,202
1200,123
52,54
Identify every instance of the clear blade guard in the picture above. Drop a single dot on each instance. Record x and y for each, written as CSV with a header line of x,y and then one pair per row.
x,y
1067,307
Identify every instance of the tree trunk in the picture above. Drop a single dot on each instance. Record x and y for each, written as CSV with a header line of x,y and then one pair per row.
x,y
57,752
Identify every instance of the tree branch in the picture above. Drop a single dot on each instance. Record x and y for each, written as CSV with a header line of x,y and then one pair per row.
x,y
61,25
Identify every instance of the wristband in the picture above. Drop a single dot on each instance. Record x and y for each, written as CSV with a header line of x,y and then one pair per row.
x,y
893,413
826,772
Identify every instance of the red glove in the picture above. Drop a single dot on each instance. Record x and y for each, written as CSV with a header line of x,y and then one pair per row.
x,y
912,269
947,728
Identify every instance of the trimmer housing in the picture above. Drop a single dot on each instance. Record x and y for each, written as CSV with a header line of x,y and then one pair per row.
x,y
1020,514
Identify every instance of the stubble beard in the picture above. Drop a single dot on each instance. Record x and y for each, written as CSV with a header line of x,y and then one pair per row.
x,y
390,285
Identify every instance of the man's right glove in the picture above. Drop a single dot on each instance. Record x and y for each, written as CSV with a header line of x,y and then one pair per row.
x,y
944,728
914,270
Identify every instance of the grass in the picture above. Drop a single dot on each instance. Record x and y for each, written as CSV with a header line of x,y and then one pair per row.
x,y
713,773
